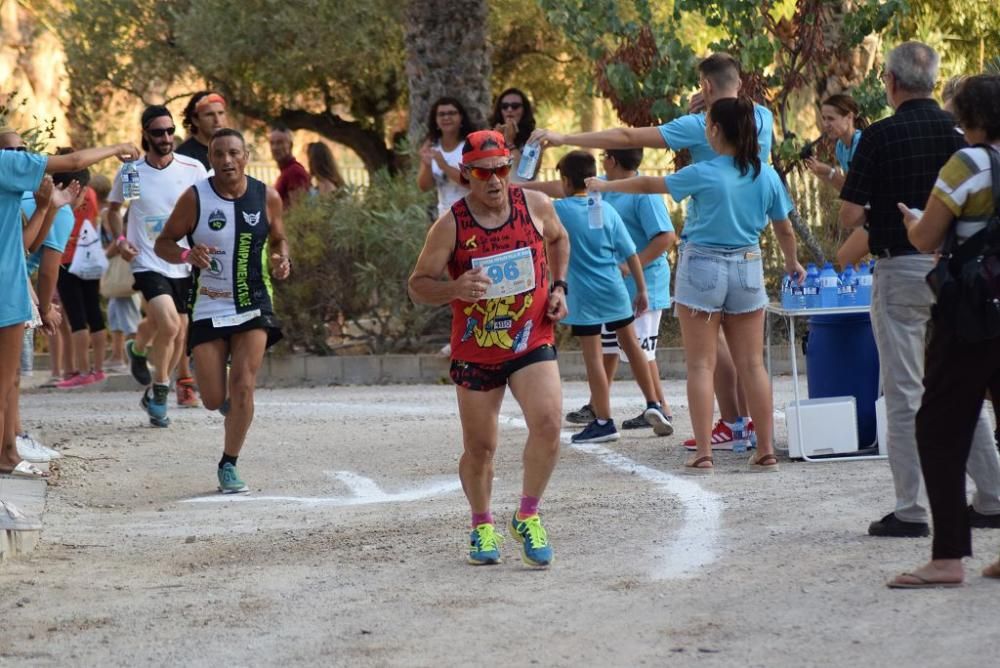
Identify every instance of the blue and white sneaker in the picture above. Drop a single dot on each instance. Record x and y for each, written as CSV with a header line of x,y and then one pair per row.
x,y
597,433
230,481
156,406
484,545
530,533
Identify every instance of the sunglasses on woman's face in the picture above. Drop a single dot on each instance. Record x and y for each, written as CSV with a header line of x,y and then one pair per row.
x,y
486,173
160,132
14,148
510,106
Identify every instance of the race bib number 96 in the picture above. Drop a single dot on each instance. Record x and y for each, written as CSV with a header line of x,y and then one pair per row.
x,y
510,273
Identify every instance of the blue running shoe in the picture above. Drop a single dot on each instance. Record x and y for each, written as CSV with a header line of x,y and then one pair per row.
x,y
230,481
530,533
156,407
484,545
597,433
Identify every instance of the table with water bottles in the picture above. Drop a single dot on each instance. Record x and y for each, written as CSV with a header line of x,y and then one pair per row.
x,y
821,292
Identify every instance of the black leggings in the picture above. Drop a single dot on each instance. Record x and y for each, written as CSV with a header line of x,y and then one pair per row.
x,y
81,301
956,377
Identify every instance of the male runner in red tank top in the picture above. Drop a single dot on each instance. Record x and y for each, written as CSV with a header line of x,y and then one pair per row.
x,y
506,253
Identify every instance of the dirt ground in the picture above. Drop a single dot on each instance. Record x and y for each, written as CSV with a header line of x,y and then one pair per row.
x,y
350,549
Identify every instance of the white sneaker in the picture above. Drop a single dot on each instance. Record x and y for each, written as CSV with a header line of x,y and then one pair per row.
x,y
52,453
30,450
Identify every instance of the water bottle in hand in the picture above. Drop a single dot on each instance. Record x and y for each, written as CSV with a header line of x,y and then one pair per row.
x,y
595,212
529,161
130,182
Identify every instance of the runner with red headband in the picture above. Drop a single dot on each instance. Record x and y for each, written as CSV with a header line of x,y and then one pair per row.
x,y
204,114
506,254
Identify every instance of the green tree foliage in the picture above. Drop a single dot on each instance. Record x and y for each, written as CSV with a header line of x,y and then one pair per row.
x,y
331,67
965,32
353,254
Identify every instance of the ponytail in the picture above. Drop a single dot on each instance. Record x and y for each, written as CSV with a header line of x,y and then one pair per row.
x,y
845,104
736,118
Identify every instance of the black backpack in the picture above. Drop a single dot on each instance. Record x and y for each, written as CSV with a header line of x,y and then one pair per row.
x,y
966,280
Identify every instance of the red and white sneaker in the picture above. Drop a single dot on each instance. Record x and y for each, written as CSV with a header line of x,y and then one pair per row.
x,y
722,437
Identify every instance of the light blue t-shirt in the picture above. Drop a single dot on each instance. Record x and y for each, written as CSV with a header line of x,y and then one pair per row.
x,y
733,208
689,132
597,292
645,216
19,171
62,227
846,153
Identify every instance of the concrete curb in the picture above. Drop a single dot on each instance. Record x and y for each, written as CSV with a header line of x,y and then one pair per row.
x,y
313,370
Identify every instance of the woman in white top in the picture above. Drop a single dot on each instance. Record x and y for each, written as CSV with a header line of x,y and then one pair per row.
x,y
441,152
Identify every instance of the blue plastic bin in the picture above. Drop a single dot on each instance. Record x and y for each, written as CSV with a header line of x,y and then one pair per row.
x,y
842,360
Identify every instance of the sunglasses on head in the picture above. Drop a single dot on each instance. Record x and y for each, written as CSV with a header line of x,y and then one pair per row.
x,y
14,148
510,106
160,132
486,173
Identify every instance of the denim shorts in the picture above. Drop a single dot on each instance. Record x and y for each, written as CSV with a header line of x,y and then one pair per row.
x,y
730,280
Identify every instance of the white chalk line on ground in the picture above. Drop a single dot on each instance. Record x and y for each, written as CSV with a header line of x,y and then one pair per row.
x,y
364,491
695,545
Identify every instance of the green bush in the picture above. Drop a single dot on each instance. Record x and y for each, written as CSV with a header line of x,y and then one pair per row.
x,y
352,255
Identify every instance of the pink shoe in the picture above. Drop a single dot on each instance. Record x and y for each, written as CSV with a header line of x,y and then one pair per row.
x,y
76,380
98,376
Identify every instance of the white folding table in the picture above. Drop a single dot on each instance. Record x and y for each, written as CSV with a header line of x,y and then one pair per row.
x,y
790,315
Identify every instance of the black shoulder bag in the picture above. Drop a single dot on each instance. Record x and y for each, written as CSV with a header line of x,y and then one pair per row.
x,y
966,280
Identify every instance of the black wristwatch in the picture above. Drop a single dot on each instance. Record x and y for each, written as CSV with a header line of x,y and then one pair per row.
x,y
559,284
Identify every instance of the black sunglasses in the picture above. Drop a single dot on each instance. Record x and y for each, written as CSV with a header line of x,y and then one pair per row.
x,y
160,132
511,106
14,148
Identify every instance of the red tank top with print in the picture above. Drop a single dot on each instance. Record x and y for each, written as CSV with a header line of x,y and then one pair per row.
x,y
500,328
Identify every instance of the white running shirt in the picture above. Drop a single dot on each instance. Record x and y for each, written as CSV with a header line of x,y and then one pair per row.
x,y
159,190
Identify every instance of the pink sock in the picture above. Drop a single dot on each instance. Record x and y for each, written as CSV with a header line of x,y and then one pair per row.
x,y
529,506
482,518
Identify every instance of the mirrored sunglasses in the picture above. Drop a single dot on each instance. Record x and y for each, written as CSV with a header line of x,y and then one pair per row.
x,y
486,173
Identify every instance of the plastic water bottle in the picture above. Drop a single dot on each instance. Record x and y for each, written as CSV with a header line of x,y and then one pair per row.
x,y
787,301
848,287
798,292
810,289
740,435
130,182
864,278
529,161
828,286
595,211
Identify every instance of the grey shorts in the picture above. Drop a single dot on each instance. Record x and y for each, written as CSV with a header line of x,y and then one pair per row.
x,y
123,314
727,280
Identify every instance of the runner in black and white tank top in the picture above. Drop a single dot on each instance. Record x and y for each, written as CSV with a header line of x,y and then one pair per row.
x,y
235,287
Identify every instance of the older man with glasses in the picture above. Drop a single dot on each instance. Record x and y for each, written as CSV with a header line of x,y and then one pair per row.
x,y
507,255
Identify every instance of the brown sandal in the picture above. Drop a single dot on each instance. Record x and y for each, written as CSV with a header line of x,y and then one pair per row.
x,y
763,464
696,466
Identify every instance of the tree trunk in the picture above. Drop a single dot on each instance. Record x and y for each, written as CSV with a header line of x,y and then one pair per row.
x,y
447,53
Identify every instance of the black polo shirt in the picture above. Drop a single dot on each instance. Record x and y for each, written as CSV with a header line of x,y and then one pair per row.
x,y
898,160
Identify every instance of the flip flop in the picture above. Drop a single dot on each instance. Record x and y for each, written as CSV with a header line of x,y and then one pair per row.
x,y
921,583
696,467
12,519
758,466
27,470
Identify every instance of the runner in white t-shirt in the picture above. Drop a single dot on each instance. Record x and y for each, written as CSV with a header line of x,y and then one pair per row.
x,y
163,177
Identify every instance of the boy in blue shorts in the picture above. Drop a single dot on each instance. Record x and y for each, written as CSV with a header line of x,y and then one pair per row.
x,y
598,296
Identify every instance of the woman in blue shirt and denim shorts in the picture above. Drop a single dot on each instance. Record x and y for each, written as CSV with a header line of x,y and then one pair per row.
x,y
720,270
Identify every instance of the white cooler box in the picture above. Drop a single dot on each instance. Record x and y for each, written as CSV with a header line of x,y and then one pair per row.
x,y
829,427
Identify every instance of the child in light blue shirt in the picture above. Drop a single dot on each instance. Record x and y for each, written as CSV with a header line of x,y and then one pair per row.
x,y
597,294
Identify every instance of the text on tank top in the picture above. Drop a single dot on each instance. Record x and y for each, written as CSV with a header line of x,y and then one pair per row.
x,y
235,287
500,328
